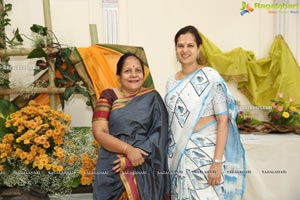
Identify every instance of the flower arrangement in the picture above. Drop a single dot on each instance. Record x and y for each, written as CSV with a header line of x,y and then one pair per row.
x,y
40,149
283,113
245,117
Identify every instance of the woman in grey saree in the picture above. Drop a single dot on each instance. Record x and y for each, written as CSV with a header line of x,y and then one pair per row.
x,y
134,141
206,161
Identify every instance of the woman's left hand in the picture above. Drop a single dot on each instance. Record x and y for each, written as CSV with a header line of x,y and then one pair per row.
x,y
215,174
117,166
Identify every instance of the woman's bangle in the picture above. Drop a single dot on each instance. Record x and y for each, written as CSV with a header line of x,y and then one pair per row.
x,y
125,148
217,161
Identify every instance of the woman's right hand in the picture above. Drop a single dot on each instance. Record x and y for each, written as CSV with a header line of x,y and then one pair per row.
x,y
135,155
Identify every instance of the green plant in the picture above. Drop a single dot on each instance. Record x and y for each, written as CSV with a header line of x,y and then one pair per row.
x,y
5,22
39,149
245,117
283,113
5,42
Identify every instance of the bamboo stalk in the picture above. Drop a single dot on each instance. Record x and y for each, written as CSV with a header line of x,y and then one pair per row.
x,y
48,90
24,51
93,33
51,69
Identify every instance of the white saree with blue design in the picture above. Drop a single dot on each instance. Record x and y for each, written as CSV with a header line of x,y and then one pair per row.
x,y
191,153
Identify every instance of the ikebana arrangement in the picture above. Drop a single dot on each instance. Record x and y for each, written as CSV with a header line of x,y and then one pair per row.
x,y
283,117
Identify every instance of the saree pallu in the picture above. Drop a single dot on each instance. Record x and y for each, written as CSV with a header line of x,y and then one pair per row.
x,y
142,123
185,104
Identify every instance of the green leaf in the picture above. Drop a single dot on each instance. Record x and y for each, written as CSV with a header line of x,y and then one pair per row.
x,y
75,182
3,129
38,53
68,92
18,36
6,108
8,7
41,30
62,101
88,103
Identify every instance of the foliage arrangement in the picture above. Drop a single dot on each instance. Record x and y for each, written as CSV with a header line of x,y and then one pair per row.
x,y
65,73
283,113
245,117
40,149
43,39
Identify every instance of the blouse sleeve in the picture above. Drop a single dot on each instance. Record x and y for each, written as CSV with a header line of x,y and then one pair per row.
x,y
219,100
104,105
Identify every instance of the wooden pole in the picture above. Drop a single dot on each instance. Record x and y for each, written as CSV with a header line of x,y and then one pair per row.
x,y
24,51
48,90
51,68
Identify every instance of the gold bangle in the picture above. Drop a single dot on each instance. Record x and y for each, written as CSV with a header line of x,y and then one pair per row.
x,y
217,161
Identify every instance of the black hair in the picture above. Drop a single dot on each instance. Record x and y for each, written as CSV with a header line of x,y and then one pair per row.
x,y
189,29
122,60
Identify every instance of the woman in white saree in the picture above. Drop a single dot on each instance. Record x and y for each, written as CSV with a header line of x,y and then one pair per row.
x,y
206,156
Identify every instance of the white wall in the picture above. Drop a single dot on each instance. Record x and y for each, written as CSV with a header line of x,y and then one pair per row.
x,y
153,24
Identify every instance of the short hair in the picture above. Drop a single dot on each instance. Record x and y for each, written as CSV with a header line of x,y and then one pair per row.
x,y
189,29
122,60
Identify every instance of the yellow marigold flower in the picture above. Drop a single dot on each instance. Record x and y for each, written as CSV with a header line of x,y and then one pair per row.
x,y
293,108
19,151
43,139
60,168
1,168
32,103
41,151
9,136
74,157
18,140
67,117
7,124
54,123
3,155
86,181
29,156
82,172
56,132
26,141
285,114
60,154
27,162
37,140
48,167
20,128
70,162
40,166
23,155
46,145
54,165
58,141
16,123
44,161
34,148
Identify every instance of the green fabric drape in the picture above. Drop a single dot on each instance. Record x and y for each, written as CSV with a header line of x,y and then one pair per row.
x,y
259,80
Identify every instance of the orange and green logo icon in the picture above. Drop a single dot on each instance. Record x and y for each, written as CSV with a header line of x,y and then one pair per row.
x,y
246,8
